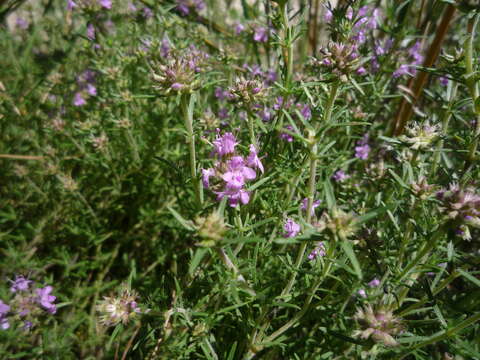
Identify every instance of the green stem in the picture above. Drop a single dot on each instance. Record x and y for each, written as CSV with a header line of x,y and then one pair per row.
x,y
311,293
310,194
419,258
445,121
331,100
251,127
472,85
187,110
287,48
445,334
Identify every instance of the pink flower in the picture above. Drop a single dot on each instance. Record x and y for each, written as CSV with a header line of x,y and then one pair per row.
x,y
253,160
225,144
315,204
374,283
260,34
291,228
206,174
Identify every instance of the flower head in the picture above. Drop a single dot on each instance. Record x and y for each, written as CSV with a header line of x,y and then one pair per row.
x,y
20,284
119,309
291,228
225,144
378,324
46,300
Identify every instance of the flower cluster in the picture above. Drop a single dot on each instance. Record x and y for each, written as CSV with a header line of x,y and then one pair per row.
x,y
319,251
340,223
380,325
210,229
29,303
422,188
231,171
89,4
462,206
421,136
362,150
291,228
247,92
340,176
269,76
185,7
414,59
118,309
340,58
178,73
85,87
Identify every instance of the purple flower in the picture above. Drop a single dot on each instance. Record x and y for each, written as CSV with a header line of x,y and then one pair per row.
x,y
238,173
92,90
256,70
443,80
239,28
4,309
253,160
315,204
223,113
206,174
176,86
165,48
285,136
328,15
4,324
349,14
414,52
362,293
91,32
291,228
404,69
220,93
78,99
184,6
107,4
361,152
374,283
260,34
225,144
264,112
361,71
46,300
235,196
318,251
270,76
305,111
340,176
71,5
147,13
21,23
19,284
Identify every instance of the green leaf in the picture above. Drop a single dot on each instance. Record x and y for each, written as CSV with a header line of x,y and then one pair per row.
x,y
196,259
185,223
469,277
329,194
348,249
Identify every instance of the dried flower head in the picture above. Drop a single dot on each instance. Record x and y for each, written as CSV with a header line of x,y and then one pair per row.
x,y
341,58
378,324
247,92
422,188
210,229
421,136
178,74
340,223
122,308
462,205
